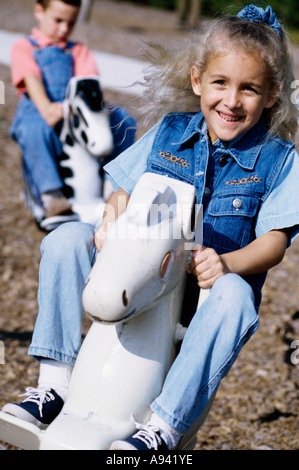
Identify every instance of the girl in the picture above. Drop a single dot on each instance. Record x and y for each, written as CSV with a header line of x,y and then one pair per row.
x,y
233,125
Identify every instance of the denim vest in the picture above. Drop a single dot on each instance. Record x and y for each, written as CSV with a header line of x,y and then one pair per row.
x,y
232,179
57,67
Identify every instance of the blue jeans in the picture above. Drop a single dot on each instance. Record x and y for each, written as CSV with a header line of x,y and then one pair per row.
x,y
41,146
216,334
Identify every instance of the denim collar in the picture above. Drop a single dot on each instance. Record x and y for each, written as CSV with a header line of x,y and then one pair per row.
x,y
245,149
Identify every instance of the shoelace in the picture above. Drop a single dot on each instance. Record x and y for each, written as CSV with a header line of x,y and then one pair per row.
x,y
147,434
38,396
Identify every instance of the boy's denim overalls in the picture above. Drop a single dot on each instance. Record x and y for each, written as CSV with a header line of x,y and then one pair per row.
x,y
39,142
238,178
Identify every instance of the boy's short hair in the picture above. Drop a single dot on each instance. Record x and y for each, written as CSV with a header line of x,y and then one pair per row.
x,y
45,3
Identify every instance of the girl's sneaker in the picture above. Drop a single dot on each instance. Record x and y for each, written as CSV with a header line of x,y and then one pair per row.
x,y
40,407
146,438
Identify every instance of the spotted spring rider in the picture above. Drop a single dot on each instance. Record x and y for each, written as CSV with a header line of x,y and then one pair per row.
x,y
87,141
136,313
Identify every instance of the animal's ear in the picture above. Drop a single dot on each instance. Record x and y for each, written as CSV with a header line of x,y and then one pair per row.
x,y
192,219
163,205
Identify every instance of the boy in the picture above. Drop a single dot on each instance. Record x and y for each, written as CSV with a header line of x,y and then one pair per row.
x,y
42,65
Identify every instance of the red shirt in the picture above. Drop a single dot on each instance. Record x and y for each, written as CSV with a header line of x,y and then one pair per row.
x,y
24,64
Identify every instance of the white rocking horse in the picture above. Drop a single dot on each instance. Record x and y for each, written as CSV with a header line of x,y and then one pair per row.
x,y
87,139
134,297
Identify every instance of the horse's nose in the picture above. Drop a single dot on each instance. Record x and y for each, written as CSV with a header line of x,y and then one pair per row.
x,y
125,298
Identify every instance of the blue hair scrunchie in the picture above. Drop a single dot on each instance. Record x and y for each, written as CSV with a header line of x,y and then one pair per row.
x,y
256,14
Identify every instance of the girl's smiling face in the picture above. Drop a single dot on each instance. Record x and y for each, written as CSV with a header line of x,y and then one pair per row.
x,y
234,90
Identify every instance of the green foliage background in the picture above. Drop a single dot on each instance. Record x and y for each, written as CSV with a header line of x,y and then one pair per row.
x,y
286,10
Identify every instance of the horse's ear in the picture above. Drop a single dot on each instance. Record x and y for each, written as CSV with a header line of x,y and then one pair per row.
x,y
192,220
163,206
193,216
69,87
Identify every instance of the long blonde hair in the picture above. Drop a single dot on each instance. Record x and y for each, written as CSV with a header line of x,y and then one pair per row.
x,y
167,81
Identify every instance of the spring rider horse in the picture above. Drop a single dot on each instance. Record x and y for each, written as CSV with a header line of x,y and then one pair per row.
x,y
87,139
134,296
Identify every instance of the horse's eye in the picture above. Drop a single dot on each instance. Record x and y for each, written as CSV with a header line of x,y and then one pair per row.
x,y
76,121
167,264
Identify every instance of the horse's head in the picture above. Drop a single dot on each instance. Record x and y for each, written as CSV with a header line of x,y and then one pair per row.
x,y
87,117
144,256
